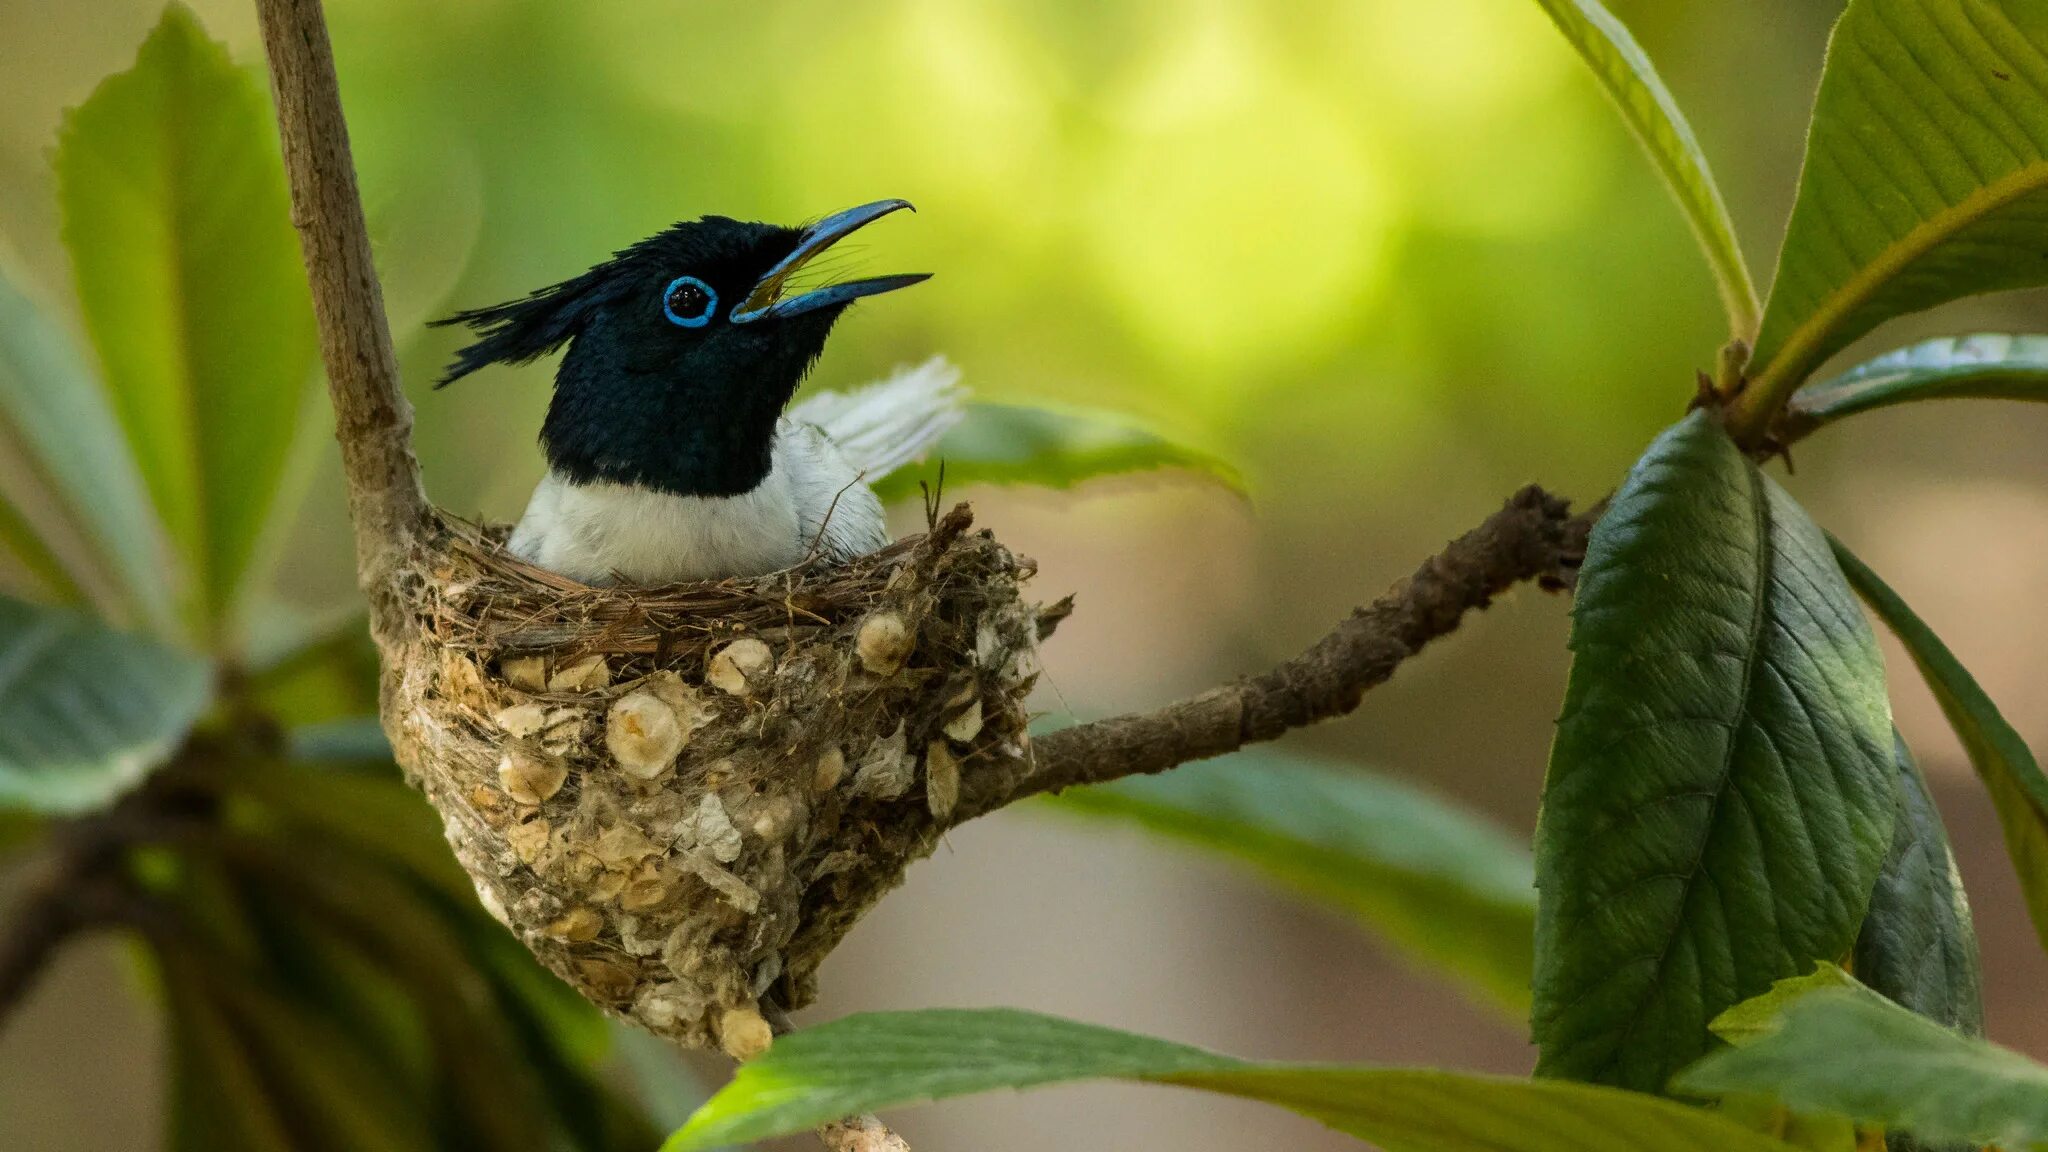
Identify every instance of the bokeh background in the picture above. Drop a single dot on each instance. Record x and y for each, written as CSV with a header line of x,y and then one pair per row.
x,y
1394,258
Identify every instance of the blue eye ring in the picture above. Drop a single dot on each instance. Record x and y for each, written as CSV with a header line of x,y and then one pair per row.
x,y
699,320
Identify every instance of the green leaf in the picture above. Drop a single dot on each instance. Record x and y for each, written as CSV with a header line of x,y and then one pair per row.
x,y
1982,367
1720,794
1050,447
189,279
1625,71
878,1060
1926,176
1918,946
85,710
1761,1016
1850,1052
2001,758
72,440
1450,890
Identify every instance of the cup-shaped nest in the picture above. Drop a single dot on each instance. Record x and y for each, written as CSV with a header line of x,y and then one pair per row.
x,y
681,798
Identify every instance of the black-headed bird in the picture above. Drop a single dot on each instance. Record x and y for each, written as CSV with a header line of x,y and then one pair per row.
x,y
669,454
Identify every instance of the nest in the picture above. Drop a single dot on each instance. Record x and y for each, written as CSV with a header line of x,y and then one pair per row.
x,y
681,798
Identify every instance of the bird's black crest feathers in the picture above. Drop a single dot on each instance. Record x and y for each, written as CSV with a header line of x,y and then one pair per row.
x,y
526,329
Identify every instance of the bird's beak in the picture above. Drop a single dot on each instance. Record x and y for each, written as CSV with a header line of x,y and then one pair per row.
x,y
766,300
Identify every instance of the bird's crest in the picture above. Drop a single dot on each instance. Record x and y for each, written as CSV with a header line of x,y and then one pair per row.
x,y
522,330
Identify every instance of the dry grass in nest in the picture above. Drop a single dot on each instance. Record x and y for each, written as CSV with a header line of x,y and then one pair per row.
x,y
681,798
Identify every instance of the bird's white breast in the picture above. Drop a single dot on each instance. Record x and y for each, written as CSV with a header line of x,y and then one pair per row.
x,y
811,501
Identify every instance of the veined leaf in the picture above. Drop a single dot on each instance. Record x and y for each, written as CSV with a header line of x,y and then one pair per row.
x,y
1918,946
1850,1052
1720,794
1926,176
85,710
1984,367
176,218
1050,447
73,441
1453,892
861,1063
2001,758
1625,71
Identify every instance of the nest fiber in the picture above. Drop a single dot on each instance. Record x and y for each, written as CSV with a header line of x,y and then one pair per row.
x,y
681,798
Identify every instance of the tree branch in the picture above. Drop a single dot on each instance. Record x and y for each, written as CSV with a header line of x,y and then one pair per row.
x,y
373,421
1534,537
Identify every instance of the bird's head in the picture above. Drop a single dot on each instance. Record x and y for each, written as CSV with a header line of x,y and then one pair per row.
x,y
683,349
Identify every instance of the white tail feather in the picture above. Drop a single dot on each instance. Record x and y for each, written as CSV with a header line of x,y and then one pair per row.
x,y
892,422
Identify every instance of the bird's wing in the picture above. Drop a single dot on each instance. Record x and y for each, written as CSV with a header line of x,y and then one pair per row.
x,y
892,422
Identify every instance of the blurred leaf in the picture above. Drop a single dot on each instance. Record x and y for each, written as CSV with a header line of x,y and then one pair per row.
x,y
355,741
879,1060
1925,179
2001,758
74,442
25,543
217,1101
1720,793
665,1086
85,711
314,674
490,1080
1850,1052
1761,1016
1051,447
379,818
1625,71
1448,889
188,275
1917,945
1985,366
340,1099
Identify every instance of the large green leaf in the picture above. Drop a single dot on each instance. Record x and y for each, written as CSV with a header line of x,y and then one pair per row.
x,y
1926,176
1625,71
176,217
1720,792
73,441
1850,1052
85,710
874,1061
1051,447
1450,890
2001,758
1986,367
1917,945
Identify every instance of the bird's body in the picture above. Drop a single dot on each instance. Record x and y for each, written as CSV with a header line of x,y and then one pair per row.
x,y
814,503
669,455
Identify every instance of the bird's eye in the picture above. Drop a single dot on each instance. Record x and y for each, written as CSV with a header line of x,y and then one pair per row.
x,y
689,302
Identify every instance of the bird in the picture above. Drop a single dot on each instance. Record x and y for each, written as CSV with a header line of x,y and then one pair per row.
x,y
672,451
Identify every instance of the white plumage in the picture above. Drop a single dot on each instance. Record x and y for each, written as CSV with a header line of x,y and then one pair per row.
x,y
815,500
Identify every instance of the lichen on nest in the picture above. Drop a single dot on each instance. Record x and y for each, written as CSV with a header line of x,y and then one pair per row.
x,y
681,798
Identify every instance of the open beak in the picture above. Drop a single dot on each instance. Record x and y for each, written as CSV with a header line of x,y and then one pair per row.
x,y
766,300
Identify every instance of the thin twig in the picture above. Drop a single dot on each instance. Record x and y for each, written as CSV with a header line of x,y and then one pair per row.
x,y
373,421
1534,537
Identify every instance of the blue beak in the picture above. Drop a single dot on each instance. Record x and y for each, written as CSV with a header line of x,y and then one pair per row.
x,y
765,299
